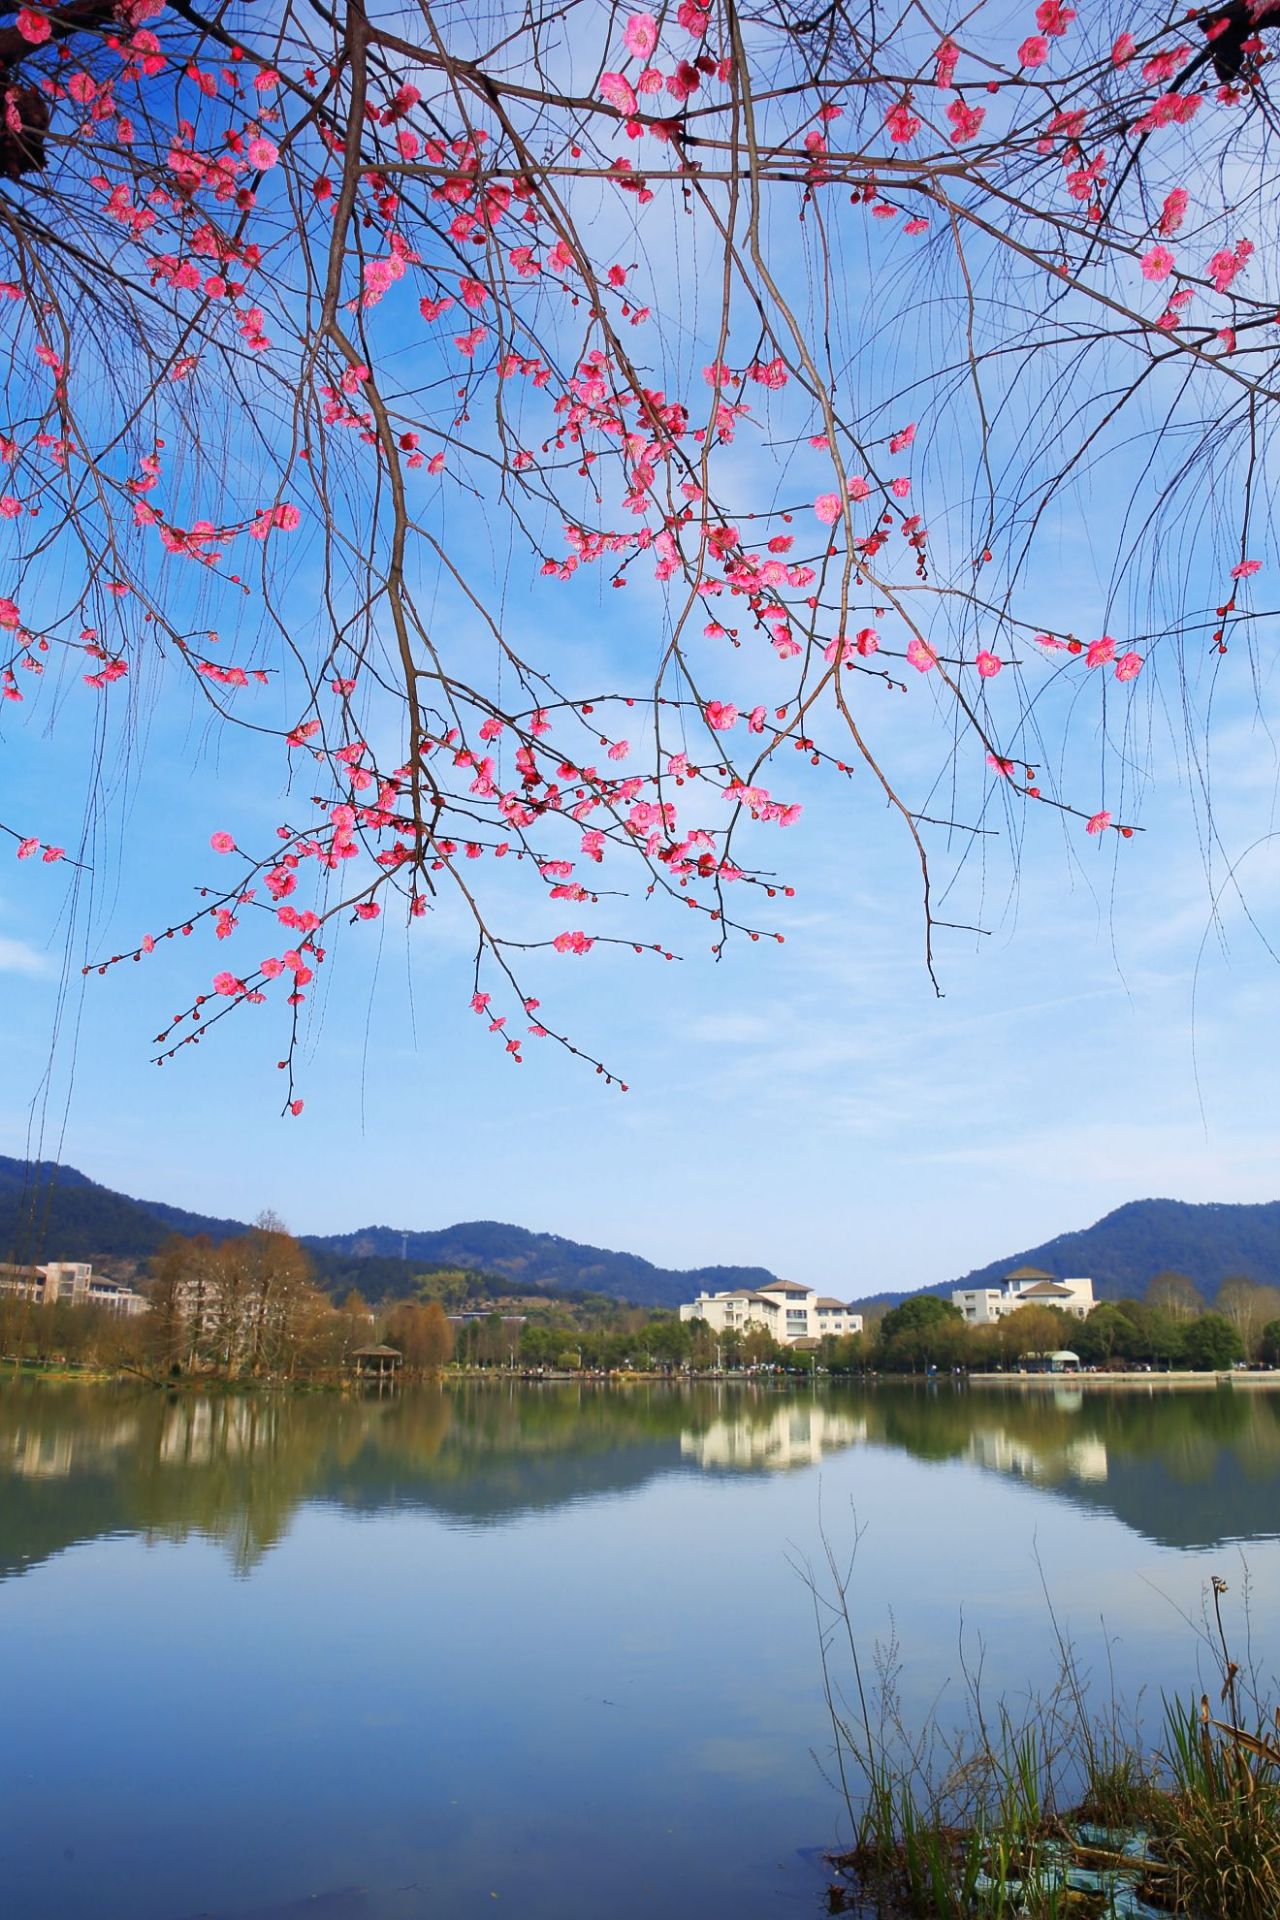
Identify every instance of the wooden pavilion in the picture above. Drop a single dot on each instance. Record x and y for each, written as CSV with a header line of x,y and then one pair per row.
x,y
377,1362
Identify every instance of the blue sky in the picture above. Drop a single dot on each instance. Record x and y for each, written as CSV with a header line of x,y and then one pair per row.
x,y
812,1106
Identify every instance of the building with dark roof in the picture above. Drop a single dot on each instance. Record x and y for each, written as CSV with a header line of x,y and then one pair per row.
x,y
1024,1287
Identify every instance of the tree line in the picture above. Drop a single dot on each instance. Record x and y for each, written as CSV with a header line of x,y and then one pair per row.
x,y
249,1309
1170,1327
241,1309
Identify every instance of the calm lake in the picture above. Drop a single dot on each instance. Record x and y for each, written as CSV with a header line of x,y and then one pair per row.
x,y
545,1650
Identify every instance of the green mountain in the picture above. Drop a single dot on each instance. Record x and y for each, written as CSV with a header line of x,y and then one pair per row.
x,y
537,1262
53,1212
1125,1249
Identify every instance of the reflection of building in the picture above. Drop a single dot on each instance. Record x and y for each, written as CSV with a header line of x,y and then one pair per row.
x,y
38,1453
198,1430
790,1312
1084,1458
1024,1287
69,1283
793,1436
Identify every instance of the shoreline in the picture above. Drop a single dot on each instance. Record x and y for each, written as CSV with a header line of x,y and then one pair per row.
x,y
1177,1378
1259,1380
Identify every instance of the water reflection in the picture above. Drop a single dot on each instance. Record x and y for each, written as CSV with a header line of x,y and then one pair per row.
x,y
796,1434
1183,1469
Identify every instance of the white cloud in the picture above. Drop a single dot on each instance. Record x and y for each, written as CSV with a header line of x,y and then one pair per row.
x,y
17,957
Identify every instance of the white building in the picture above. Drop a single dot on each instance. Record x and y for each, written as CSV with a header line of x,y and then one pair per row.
x,y
1024,1287
790,1312
73,1283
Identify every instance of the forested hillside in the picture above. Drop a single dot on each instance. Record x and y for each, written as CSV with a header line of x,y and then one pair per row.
x,y
538,1262
53,1212
1125,1249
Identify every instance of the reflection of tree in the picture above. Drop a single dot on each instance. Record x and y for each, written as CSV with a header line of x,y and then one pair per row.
x,y
235,1466
1181,1467
77,1462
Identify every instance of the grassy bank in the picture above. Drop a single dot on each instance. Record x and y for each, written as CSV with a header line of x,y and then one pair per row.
x,y
55,1370
1058,1812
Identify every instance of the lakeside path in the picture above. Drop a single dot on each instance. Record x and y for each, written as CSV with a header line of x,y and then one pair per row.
x,y
1267,1378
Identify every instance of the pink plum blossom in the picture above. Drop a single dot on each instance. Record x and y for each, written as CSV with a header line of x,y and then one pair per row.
x,y
618,92
640,35
902,124
1174,210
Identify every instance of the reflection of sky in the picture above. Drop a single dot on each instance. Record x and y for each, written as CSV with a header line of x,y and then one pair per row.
x,y
619,1691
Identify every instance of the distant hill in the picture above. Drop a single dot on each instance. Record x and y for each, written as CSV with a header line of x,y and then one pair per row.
x,y
539,1262
53,1212
1124,1249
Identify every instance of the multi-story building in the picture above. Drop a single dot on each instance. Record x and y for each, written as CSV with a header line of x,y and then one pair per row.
x,y
115,1297
71,1282
790,1312
1024,1287
19,1283
66,1280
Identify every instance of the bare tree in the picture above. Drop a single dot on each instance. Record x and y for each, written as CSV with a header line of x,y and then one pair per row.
x,y
1176,1293
280,1297
1249,1306
423,1335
